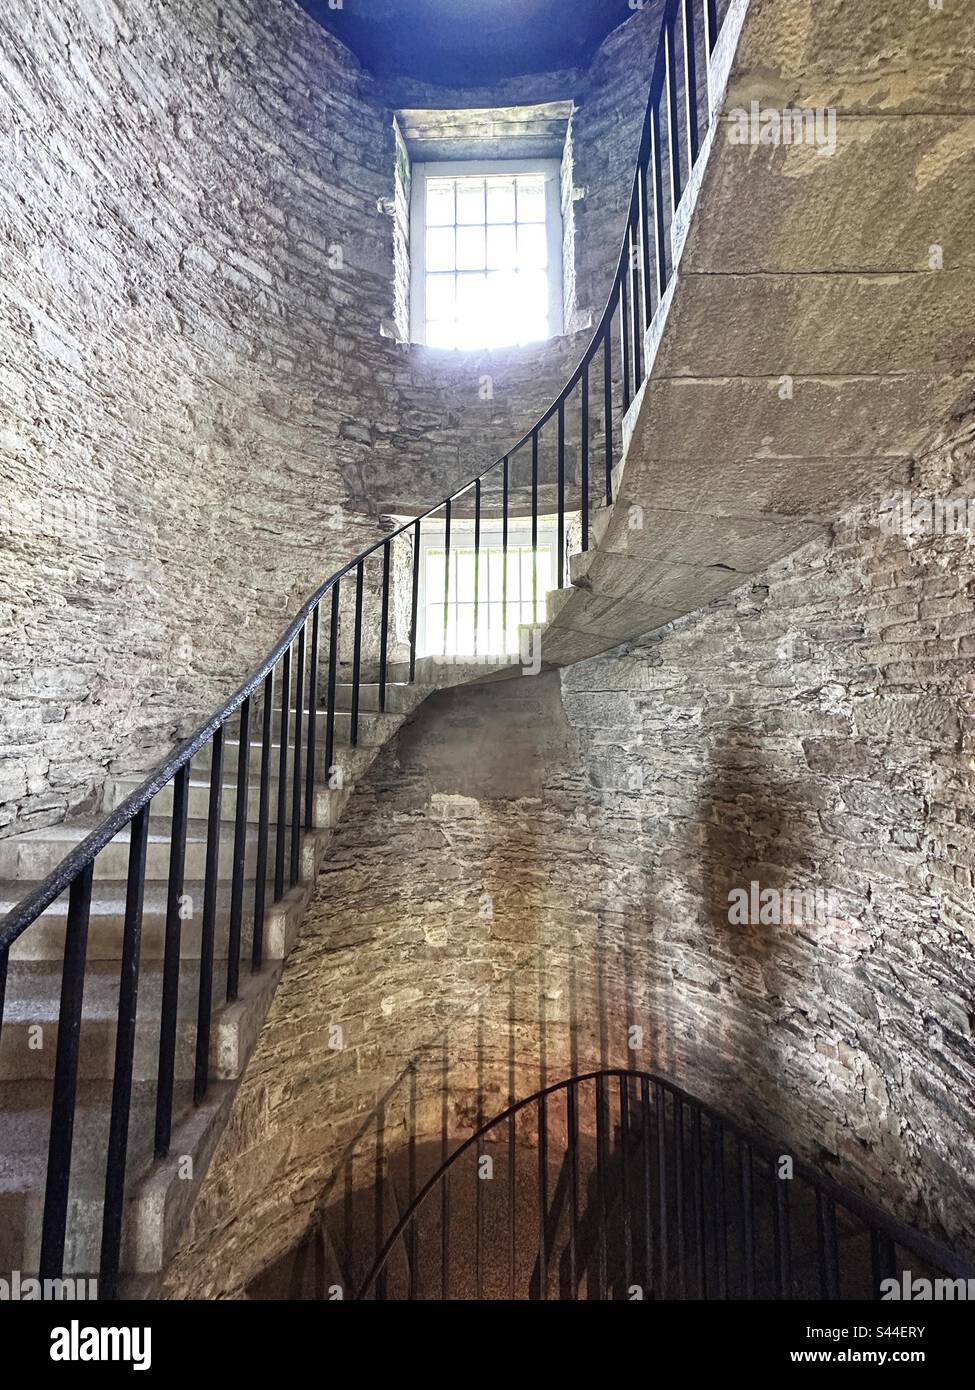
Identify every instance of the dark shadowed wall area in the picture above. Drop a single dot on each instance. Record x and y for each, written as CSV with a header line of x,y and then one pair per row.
x,y
539,865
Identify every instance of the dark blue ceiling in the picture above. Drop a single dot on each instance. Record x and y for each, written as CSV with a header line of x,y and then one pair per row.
x,y
465,43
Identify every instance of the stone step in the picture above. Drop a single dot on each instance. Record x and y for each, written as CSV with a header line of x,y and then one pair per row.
x,y
28,1043
441,673
353,764
327,804
374,729
401,697
36,853
161,1193
44,938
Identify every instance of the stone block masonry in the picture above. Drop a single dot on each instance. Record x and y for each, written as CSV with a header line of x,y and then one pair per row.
x,y
199,415
540,866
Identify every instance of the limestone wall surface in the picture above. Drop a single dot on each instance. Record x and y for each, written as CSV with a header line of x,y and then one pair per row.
x,y
200,415
536,867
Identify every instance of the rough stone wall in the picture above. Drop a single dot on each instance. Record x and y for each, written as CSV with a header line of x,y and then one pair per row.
x,y
538,865
606,131
175,361
199,414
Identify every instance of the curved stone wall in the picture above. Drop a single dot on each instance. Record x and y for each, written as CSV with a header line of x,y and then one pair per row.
x,y
538,867
201,415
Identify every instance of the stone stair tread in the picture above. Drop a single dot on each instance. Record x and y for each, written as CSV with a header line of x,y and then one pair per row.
x,y
26,1107
72,833
34,990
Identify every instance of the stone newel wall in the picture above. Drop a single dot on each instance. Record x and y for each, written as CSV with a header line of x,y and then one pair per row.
x,y
540,864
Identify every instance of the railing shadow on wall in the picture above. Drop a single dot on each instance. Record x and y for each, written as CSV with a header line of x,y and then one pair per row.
x,y
532,1029
302,671
636,1190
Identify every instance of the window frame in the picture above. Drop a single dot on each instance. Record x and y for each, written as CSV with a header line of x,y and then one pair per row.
x,y
519,536
548,169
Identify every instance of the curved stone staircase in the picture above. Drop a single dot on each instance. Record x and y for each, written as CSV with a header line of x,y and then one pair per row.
x,y
719,472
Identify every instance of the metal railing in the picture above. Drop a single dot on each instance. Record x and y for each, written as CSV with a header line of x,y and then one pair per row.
x,y
281,699
618,1184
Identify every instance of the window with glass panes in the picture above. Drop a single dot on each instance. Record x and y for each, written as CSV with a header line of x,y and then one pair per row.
x,y
490,594
487,254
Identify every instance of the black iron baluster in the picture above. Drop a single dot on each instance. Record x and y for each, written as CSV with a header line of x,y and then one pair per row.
x,y
718,1209
636,297
384,629
680,1195
626,363
445,1236
826,1248
312,749
296,775
415,599
560,539
445,1187
283,736
504,545
4,954
624,1087
690,81
65,1077
512,1198
697,1160
535,526
263,822
608,408
572,1128
673,117
356,657
477,559
240,851
478,1290
171,954
783,1243
883,1261
584,461
542,1123
118,1137
711,23
446,573
379,1182
659,224
601,1193
747,1208
333,656
646,272
647,1186
663,1239
201,1077
412,1240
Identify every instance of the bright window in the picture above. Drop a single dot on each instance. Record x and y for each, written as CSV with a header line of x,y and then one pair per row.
x,y
489,595
486,249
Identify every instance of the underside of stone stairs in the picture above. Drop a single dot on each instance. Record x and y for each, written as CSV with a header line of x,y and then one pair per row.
x,y
777,347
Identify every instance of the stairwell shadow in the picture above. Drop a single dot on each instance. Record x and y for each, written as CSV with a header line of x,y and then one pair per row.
x,y
754,859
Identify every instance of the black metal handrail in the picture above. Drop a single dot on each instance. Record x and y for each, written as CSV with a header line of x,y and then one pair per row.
x,y
677,1175
297,666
